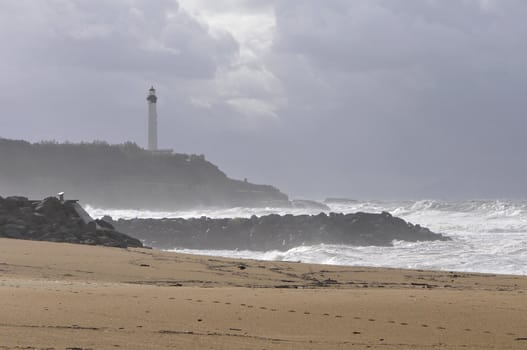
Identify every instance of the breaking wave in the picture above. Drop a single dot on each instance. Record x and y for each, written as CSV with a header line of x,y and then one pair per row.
x,y
487,235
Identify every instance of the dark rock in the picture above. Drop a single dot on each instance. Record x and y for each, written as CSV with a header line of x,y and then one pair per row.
x,y
52,208
49,204
13,230
13,203
56,221
17,199
104,224
107,218
37,218
275,232
90,227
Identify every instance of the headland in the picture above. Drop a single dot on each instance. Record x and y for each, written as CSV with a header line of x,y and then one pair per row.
x,y
125,176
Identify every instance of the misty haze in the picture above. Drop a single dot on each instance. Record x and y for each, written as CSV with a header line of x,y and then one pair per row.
x,y
232,174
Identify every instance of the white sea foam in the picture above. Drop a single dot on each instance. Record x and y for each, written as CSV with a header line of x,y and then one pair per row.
x,y
487,236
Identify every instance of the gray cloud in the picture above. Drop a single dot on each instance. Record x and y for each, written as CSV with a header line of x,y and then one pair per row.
x,y
134,37
422,97
370,98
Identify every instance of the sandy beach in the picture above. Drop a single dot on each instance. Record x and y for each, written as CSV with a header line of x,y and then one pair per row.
x,y
62,296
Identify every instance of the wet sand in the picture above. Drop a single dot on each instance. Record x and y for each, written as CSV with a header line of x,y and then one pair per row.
x,y
61,296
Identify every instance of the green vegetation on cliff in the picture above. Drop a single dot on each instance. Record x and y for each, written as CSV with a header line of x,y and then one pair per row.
x,y
124,176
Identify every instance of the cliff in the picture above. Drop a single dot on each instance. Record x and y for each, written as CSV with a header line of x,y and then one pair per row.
x,y
124,176
274,232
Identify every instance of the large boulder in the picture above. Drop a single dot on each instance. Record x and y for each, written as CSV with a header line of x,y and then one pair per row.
x,y
15,203
51,207
104,223
14,230
54,220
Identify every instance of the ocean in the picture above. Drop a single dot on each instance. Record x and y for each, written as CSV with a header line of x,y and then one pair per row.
x,y
487,235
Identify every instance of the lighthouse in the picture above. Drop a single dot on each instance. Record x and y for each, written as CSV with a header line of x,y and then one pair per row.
x,y
152,119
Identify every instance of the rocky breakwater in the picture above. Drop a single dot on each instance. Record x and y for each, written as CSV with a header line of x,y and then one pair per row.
x,y
56,221
275,232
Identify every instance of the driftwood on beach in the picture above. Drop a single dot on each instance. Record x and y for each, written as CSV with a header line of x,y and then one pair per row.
x,y
274,232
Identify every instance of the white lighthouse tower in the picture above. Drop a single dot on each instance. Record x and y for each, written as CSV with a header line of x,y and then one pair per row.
x,y
152,119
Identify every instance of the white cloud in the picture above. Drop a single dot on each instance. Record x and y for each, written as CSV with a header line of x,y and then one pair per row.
x,y
253,108
247,84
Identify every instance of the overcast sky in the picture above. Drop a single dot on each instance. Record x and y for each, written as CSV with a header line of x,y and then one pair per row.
x,y
357,98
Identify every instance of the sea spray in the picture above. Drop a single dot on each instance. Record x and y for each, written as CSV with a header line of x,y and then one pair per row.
x,y
487,235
